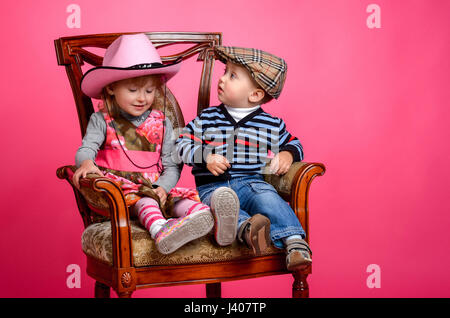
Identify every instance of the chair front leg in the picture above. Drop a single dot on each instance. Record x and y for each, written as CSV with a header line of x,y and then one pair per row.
x,y
102,290
300,287
213,290
124,273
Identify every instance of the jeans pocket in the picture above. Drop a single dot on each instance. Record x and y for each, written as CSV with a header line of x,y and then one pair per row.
x,y
261,187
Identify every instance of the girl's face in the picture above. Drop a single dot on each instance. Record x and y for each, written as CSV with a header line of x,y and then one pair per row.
x,y
132,96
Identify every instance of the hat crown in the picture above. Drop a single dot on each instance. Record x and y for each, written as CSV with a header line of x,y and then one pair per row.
x,y
129,56
129,50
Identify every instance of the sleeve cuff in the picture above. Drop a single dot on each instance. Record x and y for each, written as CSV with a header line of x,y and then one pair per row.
x,y
294,152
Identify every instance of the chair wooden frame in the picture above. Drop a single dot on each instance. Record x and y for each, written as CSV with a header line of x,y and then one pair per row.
x,y
122,275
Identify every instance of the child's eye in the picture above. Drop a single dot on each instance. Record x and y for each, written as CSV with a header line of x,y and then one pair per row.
x,y
132,90
149,91
232,75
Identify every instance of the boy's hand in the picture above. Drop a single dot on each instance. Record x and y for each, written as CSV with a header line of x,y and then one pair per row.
x,y
217,164
281,163
162,194
86,167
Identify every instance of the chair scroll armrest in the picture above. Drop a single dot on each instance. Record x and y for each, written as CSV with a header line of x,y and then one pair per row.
x,y
96,201
107,198
294,187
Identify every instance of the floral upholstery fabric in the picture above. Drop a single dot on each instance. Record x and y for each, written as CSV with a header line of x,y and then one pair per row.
x,y
283,184
97,242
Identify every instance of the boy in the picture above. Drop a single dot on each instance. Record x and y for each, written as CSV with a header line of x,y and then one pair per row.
x,y
229,146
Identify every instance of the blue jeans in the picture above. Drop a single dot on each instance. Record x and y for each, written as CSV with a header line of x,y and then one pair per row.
x,y
257,196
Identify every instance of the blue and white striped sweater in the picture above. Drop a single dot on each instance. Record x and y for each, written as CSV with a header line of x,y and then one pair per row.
x,y
248,144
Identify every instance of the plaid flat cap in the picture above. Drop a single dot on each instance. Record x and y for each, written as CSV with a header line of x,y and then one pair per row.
x,y
268,70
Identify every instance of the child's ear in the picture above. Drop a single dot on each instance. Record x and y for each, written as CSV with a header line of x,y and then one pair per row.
x,y
109,90
256,95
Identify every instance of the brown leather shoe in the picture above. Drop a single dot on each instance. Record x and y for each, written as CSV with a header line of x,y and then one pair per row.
x,y
298,255
255,232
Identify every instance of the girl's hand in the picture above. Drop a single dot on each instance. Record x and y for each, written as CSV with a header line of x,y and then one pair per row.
x,y
281,163
217,164
86,167
162,194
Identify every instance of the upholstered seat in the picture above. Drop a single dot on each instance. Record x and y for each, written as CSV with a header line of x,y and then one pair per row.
x,y
97,242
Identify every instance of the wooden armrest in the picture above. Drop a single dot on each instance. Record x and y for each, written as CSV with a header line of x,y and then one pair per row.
x,y
104,195
294,187
96,200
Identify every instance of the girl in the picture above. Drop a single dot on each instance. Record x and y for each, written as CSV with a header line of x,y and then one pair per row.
x,y
132,143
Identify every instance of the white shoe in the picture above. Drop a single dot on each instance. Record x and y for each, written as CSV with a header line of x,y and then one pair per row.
x,y
225,209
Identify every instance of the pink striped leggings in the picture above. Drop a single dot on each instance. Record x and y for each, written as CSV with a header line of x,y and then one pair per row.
x,y
148,211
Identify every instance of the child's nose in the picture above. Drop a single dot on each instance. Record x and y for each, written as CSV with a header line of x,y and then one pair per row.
x,y
141,96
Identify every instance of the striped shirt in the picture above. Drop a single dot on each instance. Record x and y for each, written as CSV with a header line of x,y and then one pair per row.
x,y
248,144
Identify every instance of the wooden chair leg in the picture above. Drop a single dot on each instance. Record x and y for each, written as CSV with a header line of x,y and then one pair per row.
x,y
300,288
213,290
101,290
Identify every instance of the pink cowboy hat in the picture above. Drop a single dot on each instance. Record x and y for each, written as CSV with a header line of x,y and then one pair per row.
x,y
128,56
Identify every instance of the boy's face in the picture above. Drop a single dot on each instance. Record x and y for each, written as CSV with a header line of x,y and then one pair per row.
x,y
236,87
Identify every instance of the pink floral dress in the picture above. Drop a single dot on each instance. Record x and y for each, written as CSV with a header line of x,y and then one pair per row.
x,y
143,146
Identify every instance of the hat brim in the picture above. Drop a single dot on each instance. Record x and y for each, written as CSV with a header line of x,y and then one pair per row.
x,y
224,57
94,80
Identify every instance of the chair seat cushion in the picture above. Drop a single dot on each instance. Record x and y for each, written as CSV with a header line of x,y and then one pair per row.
x,y
96,242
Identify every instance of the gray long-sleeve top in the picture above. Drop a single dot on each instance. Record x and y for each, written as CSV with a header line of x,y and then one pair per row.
x,y
95,136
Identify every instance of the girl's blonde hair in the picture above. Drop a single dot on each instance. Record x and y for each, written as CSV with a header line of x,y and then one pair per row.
x,y
110,101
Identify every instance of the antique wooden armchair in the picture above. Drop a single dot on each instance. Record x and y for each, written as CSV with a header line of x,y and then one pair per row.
x,y
120,253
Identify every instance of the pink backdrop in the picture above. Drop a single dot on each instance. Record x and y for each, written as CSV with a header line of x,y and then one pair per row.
x,y
371,104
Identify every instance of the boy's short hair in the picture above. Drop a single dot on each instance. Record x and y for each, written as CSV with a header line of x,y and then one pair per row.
x,y
269,71
267,98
